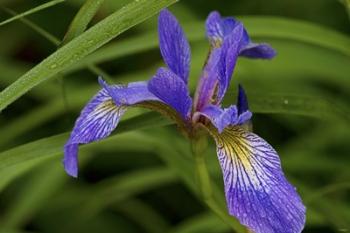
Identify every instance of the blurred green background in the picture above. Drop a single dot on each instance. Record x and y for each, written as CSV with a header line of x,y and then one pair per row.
x,y
141,179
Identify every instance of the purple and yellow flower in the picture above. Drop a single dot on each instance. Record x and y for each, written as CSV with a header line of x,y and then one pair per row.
x,y
257,192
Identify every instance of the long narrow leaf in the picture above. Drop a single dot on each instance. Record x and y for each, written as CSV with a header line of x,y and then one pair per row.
x,y
82,19
31,11
83,45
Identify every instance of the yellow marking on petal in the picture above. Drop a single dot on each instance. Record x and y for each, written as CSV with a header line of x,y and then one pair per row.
x,y
239,151
105,106
216,42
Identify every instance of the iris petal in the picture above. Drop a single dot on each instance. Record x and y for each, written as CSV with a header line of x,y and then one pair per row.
x,y
230,51
257,192
96,121
254,50
220,118
218,70
169,88
244,115
218,28
174,46
129,94
101,116
242,102
208,82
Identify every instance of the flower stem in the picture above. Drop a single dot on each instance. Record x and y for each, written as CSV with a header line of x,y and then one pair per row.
x,y
199,146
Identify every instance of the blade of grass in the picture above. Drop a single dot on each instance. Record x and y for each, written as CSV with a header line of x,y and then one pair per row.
x,y
55,41
35,27
83,45
294,104
34,194
77,26
82,19
120,188
48,178
31,11
206,222
332,188
143,215
35,152
346,4
11,69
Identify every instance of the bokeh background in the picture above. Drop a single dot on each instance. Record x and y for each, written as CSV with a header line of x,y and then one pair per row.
x,y
141,179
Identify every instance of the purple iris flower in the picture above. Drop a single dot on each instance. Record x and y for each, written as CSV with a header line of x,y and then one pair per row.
x,y
257,192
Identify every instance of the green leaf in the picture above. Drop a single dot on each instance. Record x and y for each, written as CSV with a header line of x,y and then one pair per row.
x,y
203,223
54,144
120,188
36,28
31,11
346,5
82,19
311,105
143,215
83,45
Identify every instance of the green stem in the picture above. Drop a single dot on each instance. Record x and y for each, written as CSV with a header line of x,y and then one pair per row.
x,y
199,146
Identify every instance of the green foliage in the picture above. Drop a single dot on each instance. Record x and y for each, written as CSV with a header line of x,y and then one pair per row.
x,y
142,178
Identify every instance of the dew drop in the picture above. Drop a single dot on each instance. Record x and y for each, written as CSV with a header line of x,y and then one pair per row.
x,y
285,101
53,66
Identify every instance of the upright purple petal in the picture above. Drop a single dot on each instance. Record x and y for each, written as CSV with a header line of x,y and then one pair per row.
x,y
228,59
242,101
214,29
172,90
173,44
96,121
219,67
226,36
208,82
257,192
219,28
244,115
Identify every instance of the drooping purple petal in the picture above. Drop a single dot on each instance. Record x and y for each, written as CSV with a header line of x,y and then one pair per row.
x,y
101,116
172,90
96,121
173,44
257,192
254,50
218,28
